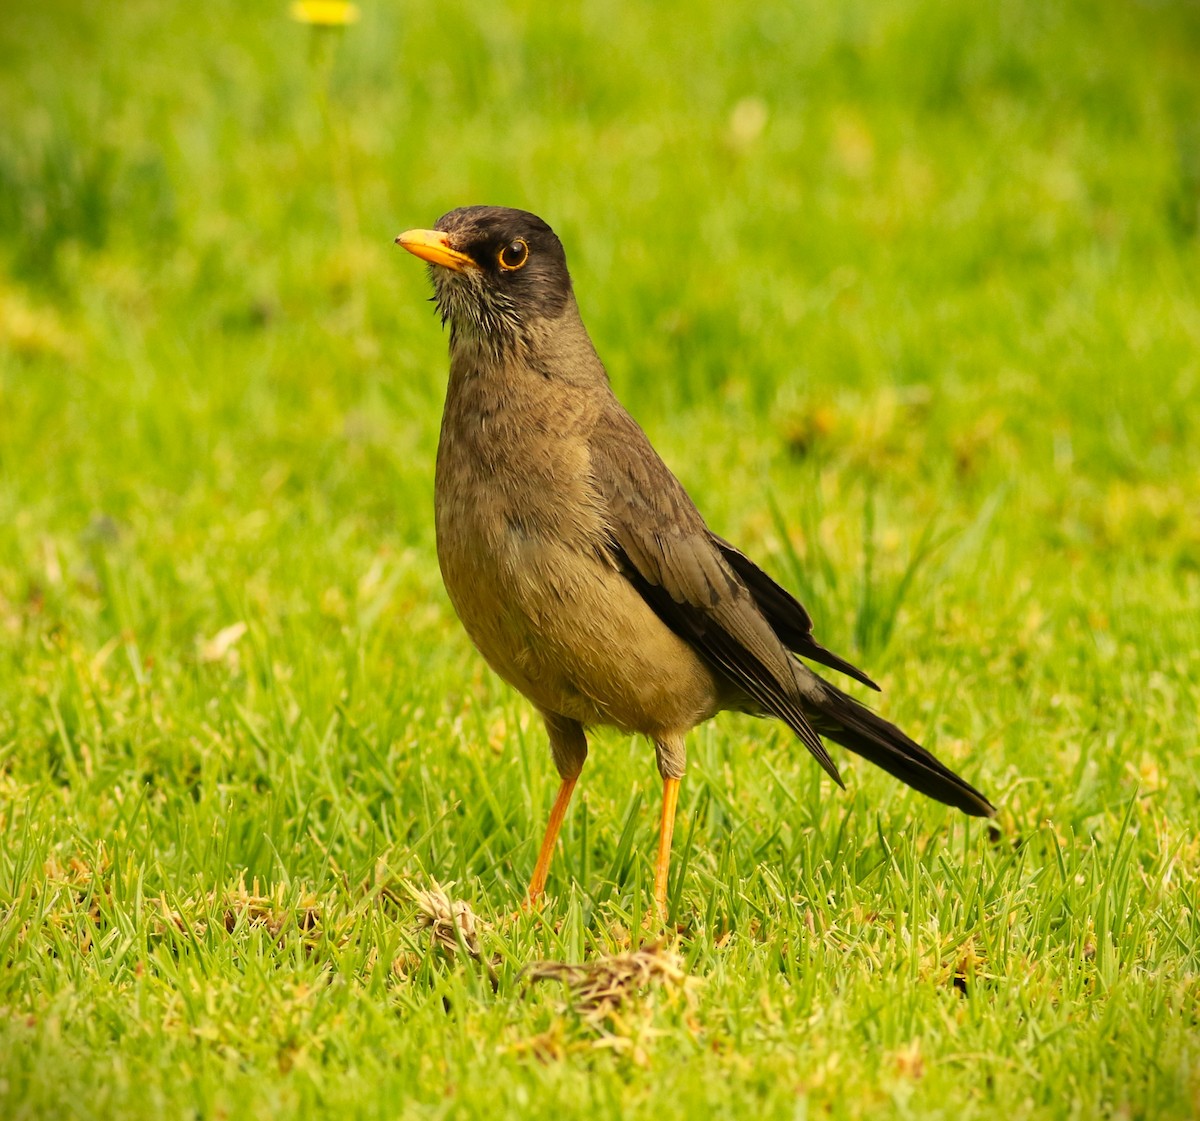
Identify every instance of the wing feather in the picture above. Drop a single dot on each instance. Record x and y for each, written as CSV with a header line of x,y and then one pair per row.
x,y
661,544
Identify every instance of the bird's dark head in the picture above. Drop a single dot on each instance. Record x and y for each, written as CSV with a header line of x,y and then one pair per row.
x,y
498,274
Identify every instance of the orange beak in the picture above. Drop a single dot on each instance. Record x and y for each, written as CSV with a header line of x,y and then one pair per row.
x,y
434,246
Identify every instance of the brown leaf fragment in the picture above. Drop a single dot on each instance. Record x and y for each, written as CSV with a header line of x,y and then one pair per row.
x,y
599,990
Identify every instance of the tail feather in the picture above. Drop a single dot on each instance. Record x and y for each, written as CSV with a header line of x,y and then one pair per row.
x,y
853,725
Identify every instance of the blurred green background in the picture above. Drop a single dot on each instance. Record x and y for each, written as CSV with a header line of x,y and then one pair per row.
x,y
905,292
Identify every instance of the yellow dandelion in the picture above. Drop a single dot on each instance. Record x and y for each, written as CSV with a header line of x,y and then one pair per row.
x,y
325,13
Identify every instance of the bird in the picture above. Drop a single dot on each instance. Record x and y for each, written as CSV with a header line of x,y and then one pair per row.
x,y
578,564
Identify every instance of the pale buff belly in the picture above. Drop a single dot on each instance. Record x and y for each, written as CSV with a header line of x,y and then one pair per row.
x,y
567,630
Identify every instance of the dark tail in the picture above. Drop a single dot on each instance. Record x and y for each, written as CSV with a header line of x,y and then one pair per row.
x,y
845,721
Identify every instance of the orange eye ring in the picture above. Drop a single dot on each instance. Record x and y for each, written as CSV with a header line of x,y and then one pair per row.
x,y
514,255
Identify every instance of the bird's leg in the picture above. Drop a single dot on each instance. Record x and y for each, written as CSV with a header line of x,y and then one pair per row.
x,y
667,827
569,746
541,870
671,758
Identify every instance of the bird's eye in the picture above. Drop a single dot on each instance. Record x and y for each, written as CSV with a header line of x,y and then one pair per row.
x,y
514,255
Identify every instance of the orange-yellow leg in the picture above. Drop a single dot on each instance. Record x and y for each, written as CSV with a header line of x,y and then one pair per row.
x,y
665,832
542,869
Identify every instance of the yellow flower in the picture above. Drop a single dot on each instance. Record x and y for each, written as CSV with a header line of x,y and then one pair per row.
x,y
325,13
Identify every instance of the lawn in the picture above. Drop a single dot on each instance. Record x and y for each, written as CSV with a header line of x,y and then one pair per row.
x,y
908,295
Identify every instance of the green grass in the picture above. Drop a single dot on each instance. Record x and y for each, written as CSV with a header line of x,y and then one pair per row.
x,y
907,294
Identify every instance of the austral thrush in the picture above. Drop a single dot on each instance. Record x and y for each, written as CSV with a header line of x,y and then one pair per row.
x,y
576,561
